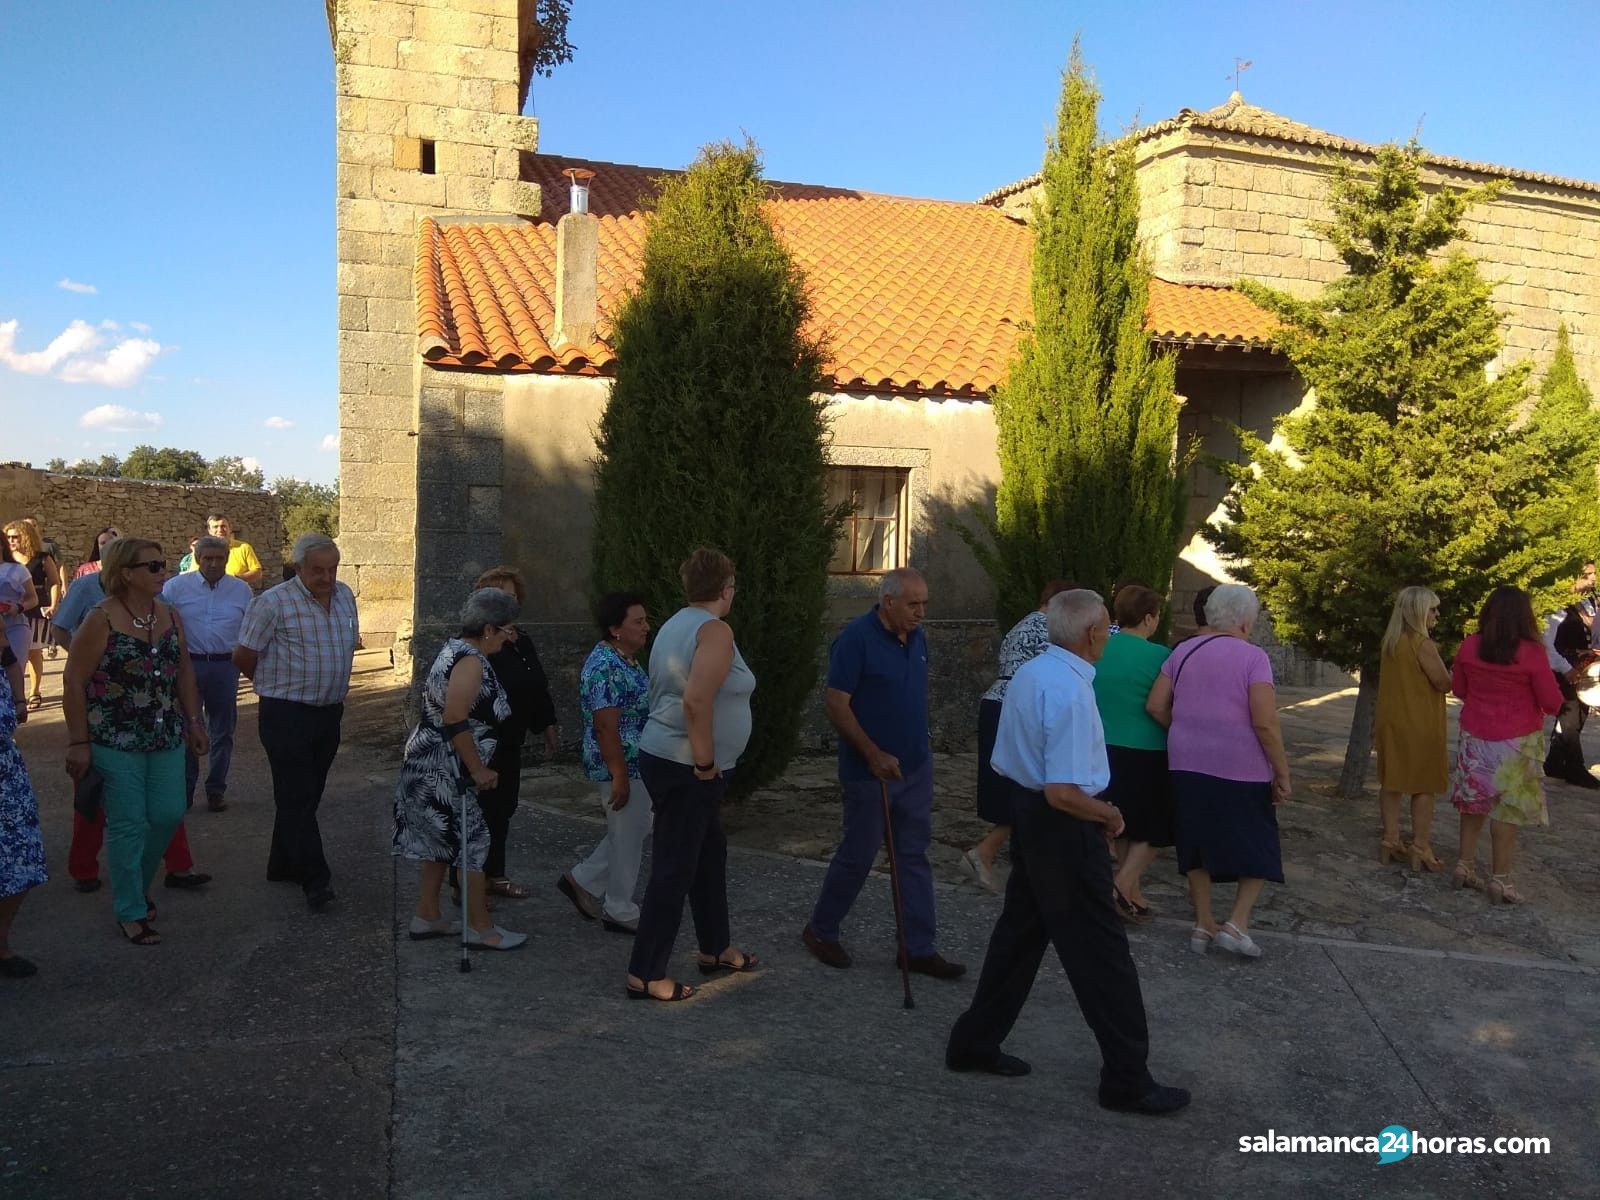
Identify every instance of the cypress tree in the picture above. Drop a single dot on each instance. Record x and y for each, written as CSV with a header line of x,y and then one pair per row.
x,y
1086,423
1415,464
714,435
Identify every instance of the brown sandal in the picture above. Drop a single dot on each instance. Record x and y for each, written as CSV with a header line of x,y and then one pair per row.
x,y
145,937
504,887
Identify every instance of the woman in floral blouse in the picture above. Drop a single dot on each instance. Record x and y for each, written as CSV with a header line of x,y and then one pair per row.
x,y
1026,641
614,693
131,704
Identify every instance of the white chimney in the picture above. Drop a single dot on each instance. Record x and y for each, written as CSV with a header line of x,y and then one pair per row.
x,y
577,267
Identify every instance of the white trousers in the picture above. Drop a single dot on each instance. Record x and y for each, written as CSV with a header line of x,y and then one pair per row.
x,y
612,869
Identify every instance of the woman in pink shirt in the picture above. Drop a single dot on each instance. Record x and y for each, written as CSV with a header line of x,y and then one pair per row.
x,y
1504,681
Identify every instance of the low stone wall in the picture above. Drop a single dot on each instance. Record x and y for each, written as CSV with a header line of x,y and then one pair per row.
x,y
71,509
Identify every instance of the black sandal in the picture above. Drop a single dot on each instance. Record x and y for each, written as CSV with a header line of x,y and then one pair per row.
x,y
145,937
680,991
749,963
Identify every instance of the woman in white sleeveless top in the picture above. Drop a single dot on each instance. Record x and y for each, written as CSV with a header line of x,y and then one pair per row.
x,y
699,724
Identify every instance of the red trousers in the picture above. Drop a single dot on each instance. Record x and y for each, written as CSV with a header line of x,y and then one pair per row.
x,y
83,858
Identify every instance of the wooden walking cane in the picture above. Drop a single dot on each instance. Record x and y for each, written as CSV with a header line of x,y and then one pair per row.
x,y
894,888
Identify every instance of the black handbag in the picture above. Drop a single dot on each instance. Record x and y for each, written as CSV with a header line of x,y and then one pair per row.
x,y
86,793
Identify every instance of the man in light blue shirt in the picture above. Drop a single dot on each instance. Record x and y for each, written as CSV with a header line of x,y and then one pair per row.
x,y
211,604
1052,747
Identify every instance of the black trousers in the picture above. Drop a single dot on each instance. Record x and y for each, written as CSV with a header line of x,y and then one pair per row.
x,y
1565,756
301,741
688,859
500,803
1060,893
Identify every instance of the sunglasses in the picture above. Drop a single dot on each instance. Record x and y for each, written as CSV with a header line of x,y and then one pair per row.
x,y
155,566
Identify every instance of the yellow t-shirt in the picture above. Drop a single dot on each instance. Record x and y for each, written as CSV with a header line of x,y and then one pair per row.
x,y
242,557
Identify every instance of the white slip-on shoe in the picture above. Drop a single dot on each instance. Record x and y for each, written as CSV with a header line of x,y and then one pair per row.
x,y
422,930
508,940
1199,940
980,870
1229,938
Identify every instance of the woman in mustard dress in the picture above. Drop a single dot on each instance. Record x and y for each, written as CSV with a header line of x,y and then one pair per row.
x,y
1412,759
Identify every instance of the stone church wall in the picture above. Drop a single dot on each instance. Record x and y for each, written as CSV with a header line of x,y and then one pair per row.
x,y
72,509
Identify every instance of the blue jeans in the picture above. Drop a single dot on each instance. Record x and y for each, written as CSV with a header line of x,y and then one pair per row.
x,y
143,799
911,811
218,684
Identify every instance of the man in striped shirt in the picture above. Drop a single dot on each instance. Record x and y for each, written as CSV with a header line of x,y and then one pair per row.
x,y
297,645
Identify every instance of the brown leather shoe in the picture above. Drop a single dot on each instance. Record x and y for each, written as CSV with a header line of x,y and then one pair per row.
x,y
933,964
828,952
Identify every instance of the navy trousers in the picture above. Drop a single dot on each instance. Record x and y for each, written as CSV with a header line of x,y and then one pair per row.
x,y
218,684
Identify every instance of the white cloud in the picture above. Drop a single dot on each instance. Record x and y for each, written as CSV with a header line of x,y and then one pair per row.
x,y
121,366
114,418
250,463
110,325
278,423
83,289
138,327
74,339
70,358
331,442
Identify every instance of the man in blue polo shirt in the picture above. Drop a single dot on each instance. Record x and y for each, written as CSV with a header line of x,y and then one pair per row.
x,y
877,700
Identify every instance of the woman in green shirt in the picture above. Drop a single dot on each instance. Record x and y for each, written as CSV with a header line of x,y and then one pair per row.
x,y
1135,744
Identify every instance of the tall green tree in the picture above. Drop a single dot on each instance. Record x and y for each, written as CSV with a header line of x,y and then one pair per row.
x,y
1415,464
1086,423
229,470
714,435
107,466
306,507
167,464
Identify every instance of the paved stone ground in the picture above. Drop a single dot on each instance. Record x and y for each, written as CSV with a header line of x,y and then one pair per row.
x,y
265,1051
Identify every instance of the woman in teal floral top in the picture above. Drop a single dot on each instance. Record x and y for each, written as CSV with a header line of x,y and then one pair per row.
x,y
614,693
131,705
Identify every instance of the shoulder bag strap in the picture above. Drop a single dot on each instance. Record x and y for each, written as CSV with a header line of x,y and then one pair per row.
x,y
1188,656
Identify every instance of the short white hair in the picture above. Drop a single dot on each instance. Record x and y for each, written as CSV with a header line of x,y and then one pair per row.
x,y
1071,615
310,543
894,582
1232,607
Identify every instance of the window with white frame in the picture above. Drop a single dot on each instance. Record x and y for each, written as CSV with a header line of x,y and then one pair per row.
x,y
873,539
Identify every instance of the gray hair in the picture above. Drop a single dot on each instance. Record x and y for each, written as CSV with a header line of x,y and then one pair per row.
x,y
310,543
1071,615
488,606
210,543
1231,608
894,582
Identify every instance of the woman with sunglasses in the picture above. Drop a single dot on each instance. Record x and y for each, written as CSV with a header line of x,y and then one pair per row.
x,y
131,704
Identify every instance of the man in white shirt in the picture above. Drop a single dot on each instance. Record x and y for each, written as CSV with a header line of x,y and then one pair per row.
x,y
297,645
1052,747
211,604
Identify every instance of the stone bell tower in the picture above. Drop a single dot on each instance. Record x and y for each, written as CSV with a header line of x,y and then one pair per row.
x,y
429,124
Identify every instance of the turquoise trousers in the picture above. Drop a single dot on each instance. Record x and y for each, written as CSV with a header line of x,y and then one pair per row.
x,y
144,801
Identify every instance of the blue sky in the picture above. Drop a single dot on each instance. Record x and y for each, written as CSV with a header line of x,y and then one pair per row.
x,y
177,158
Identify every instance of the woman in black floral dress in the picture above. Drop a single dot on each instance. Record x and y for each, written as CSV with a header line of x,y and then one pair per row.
x,y
21,849
447,755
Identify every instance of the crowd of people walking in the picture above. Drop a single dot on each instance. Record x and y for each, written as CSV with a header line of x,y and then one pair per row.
x,y
1099,747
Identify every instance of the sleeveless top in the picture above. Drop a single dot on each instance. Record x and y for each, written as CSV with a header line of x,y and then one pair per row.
x,y
133,694
665,734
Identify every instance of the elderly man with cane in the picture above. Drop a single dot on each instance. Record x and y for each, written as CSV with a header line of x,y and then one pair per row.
x,y
1052,747
877,700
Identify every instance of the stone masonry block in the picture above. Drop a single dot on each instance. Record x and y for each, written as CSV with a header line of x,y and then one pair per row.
x,y
470,61
352,376
351,181
467,194
477,161
1274,223
394,379
371,50
441,409
1250,242
1235,175
507,164
466,460
376,514
1221,239
370,279
450,27
422,87
370,549
507,97
363,17
476,93
385,116
516,197
406,152
366,411
350,112
408,187
379,583
376,216
503,33
1288,247
383,447
484,413
355,346
375,481
391,316
365,149
353,316
484,508
441,506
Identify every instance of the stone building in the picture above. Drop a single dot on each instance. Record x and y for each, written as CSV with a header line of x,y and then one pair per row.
x,y
475,298
74,508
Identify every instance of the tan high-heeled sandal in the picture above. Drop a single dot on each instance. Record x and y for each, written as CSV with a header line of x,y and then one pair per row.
x,y
1395,851
1466,877
1423,859
1501,891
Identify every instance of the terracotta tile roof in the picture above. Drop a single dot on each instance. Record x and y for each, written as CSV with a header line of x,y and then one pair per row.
x,y
916,296
1236,116
1202,315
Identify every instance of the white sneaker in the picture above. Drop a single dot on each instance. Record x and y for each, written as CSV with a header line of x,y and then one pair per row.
x,y
1229,938
508,940
980,870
